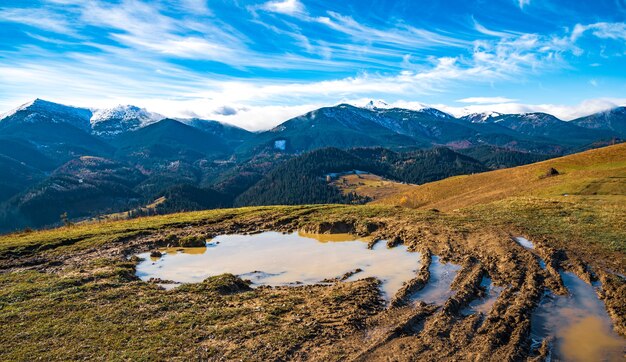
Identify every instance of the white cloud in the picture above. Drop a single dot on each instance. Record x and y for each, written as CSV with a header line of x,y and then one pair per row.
x,y
486,100
564,112
38,18
523,3
288,7
615,31
400,35
500,34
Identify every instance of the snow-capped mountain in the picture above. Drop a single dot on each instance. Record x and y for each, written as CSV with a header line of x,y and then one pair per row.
x,y
379,105
610,120
39,110
484,117
123,118
376,104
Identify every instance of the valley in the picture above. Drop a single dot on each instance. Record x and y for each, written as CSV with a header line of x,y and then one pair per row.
x,y
89,275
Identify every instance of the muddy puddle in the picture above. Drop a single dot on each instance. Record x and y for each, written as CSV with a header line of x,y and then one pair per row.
x,y
437,290
581,328
277,259
484,304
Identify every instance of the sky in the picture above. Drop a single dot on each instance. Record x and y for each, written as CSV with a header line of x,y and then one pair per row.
x,y
258,63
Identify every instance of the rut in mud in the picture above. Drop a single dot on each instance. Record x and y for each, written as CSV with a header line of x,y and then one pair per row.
x,y
493,287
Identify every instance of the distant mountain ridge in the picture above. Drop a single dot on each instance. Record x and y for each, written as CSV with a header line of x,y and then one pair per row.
x,y
415,122
87,162
377,124
610,120
105,122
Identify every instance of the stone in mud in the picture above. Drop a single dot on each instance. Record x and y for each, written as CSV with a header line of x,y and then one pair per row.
x,y
155,254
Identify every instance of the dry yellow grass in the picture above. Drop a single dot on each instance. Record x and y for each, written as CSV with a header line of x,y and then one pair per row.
x,y
123,215
596,172
370,185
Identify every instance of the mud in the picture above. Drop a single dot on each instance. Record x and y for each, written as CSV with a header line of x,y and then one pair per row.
x,y
478,320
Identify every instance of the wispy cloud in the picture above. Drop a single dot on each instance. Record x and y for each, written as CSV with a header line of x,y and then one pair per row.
x,y
522,3
500,34
615,31
486,100
38,18
399,35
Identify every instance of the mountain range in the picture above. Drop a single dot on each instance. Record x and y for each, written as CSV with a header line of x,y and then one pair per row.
x,y
56,158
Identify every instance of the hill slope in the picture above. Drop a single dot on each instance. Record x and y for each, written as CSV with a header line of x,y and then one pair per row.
x,y
303,180
596,172
168,140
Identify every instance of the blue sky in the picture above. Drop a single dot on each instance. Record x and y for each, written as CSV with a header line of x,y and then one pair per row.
x,y
258,63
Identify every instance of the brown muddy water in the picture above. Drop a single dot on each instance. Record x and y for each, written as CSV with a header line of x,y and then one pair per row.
x,y
277,259
581,328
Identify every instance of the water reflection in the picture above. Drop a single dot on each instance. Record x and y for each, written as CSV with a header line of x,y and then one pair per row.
x,y
484,304
437,290
580,324
273,258
524,242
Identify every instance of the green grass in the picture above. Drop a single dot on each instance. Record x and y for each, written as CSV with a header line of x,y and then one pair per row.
x,y
585,224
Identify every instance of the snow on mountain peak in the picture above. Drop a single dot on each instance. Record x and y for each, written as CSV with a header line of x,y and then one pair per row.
x,y
112,121
410,106
125,113
435,112
40,105
376,104
483,117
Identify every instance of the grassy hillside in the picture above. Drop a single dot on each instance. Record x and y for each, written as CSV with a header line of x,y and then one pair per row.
x,y
582,208
600,172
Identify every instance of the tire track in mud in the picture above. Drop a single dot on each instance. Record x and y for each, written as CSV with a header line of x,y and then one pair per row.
x,y
501,334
